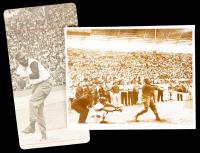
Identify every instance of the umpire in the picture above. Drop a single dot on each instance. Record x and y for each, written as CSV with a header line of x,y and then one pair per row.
x,y
82,103
39,78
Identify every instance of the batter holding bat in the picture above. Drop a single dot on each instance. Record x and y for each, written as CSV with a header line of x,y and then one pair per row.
x,y
39,78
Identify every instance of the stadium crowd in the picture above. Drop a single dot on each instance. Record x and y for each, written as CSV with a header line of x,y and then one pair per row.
x,y
37,32
126,70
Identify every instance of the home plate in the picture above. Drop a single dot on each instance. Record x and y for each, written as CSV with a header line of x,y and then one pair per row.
x,y
106,122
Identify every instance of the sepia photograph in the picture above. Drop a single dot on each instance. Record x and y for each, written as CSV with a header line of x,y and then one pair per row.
x,y
35,41
130,77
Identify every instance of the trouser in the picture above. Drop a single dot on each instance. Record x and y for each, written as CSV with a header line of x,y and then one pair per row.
x,y
160,95
170,95
82,110
108,96
179,96
130,97
135,97
124,98
36,104
148,102
165,95
116,99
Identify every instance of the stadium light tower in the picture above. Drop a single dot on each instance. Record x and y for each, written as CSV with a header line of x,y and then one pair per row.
x,y
44,14
155,39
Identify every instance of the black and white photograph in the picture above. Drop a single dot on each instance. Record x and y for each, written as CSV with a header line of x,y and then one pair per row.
x,y
35,40
139,77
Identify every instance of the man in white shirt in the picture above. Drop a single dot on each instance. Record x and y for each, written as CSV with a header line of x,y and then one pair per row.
x,y
39,78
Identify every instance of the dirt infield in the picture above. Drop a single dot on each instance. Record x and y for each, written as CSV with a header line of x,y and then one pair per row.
x,y
174,114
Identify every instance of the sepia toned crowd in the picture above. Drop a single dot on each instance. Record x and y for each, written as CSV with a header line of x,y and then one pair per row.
x,y
118,76
36,32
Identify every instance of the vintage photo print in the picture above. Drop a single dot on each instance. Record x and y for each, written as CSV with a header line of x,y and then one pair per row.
x,y
131,77
35,41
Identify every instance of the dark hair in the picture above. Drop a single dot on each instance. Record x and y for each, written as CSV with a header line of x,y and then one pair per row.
x,y
147,81
19,55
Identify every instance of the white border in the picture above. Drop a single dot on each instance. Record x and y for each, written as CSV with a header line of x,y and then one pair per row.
x,y
129,126
60,136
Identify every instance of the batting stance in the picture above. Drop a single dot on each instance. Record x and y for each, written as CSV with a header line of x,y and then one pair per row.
x,y
147,99
39,78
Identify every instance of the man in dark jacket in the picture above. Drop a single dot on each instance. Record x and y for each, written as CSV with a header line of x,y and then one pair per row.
x,y
82,104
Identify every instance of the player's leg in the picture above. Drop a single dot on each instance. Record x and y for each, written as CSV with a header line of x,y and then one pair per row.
x,y
32,120
146,103
41,91
83,115
154,109
41,121
82,110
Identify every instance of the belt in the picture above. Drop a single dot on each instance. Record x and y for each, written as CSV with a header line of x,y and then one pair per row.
x,y
42,81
